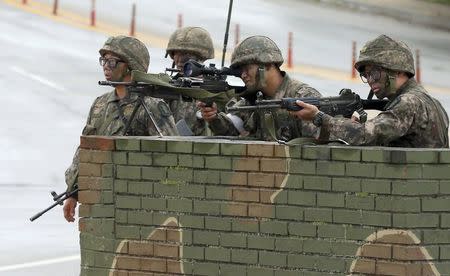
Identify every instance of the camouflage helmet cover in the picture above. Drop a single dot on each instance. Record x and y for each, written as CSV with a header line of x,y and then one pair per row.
x,y
191,39
387,53
256,49
130,49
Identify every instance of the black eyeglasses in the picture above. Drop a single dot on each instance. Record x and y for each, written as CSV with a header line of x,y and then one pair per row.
x,y
374,74
111,62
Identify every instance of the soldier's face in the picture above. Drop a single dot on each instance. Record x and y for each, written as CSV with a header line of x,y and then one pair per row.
x,y
181,57
114,68
249,75
376,78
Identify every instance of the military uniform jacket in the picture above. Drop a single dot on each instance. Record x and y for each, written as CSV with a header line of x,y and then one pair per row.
x,y
188,111
266,124
412,119
108,117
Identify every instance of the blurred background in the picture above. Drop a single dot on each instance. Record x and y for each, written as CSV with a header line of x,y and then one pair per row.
x,y
49,60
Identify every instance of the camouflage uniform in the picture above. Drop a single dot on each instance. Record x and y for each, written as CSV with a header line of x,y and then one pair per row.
x,y
109,114
412,118
194,40
273,124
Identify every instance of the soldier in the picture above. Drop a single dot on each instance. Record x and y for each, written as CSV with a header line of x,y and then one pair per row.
x,y
110,112
185,44
412,118
259,59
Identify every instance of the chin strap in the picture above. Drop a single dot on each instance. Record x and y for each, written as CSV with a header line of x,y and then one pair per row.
x,y
261,76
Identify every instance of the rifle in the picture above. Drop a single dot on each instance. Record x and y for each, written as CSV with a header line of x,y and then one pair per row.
x,y
58,198
345,104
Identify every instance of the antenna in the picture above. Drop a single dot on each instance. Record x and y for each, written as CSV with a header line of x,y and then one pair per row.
x,y
225,40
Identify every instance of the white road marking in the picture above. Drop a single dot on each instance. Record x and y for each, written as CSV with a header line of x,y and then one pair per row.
x,y
40,263
38,78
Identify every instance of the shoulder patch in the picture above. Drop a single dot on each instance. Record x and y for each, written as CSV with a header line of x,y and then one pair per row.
x,y
164,109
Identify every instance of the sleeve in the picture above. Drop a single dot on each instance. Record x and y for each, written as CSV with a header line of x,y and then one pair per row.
x,y
233,124
71,174
385,127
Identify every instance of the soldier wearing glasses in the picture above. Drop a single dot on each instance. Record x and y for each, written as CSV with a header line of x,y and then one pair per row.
x,y
110,112
412,118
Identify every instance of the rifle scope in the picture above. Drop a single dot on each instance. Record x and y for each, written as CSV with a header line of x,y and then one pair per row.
x,y
194,68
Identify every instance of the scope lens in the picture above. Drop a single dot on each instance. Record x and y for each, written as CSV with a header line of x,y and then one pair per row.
x,y
187,69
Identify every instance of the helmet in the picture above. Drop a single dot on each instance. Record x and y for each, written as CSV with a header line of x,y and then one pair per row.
x,y
387,53
130,49
191,39
256,49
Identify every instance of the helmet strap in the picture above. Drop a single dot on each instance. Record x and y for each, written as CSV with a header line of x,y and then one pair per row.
x,y
390,84
261,76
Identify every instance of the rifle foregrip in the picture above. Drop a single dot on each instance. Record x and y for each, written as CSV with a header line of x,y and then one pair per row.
x,y
290,104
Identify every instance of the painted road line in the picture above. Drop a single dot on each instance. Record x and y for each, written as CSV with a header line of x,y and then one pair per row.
x,y
37,78
40,263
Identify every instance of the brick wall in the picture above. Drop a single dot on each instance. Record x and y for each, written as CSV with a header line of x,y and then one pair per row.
x,y
156,206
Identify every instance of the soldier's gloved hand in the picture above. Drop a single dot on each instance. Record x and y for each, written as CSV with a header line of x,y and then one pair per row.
x,y
69,209
307,112
209,113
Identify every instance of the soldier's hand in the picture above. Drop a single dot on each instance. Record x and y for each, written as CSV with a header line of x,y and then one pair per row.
x,y
307,112
209,113
69,209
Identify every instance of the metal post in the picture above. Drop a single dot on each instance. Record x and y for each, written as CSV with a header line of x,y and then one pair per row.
x,y
93,13
237,35
289,56
180,21
418,71
353,59
55,7
133,20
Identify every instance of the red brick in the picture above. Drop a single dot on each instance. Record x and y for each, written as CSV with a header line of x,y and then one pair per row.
x,y
97,142
89,197
260,210
140,248
245,195
261,180
233,178
90,183
280,151
279,178
128,262
173,235
364,266
103,157
85,155
246,164
412,253
174,266
153,264
393,268
235,209
166,250
273,165
376,251
84,210
90,169
265,195
260,150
